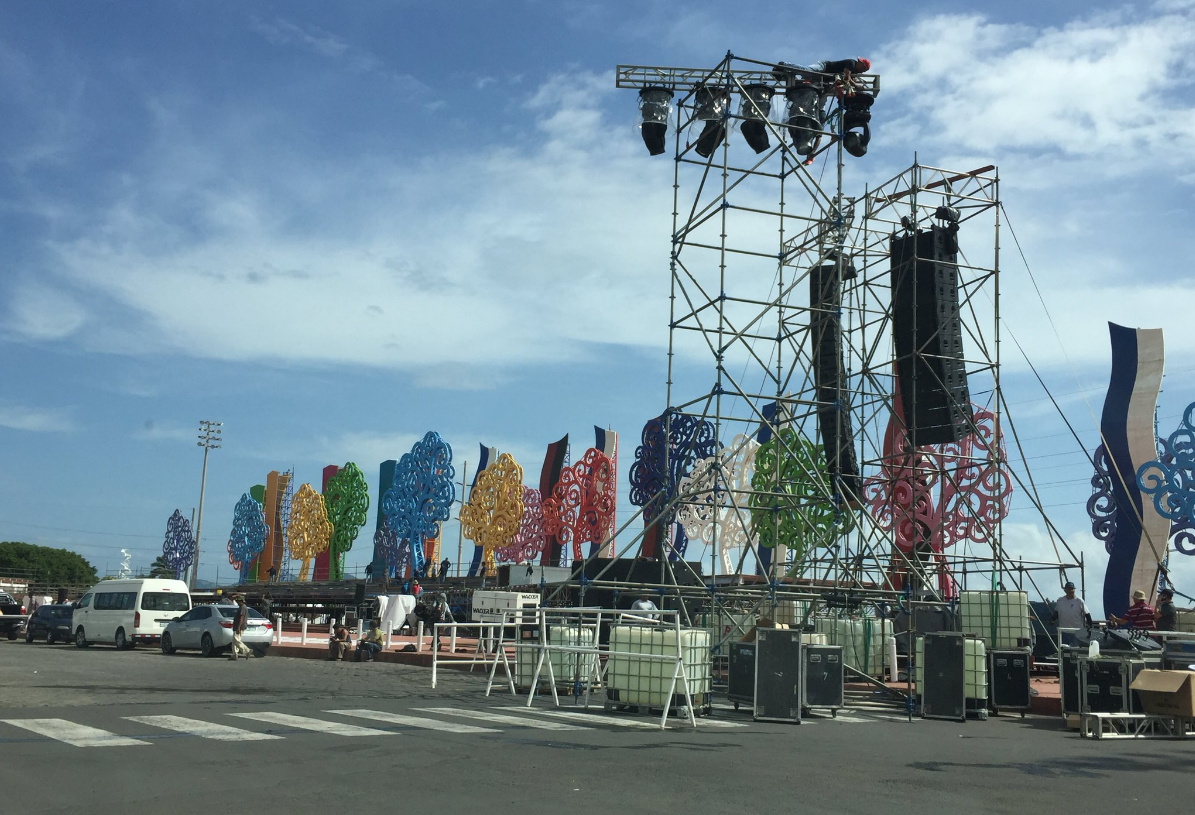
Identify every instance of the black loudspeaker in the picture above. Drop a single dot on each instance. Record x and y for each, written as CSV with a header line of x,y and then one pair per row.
x,y
935,400
359,595
777,675
944,671
62,595
833,400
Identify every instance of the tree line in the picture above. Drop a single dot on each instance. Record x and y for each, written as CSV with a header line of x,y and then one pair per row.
x,y
45,565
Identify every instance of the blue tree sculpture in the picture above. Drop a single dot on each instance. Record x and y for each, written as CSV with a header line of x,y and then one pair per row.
x,y
178,549
1170,481
653,485
248,535
422,494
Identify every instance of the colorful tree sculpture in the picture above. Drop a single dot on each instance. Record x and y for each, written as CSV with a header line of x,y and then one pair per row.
x,y
309,531
719,512
582,503
422,494
248,535
346,498
1170,481
491,517
937,495
792,504
528,543
663,458
178,549
390,546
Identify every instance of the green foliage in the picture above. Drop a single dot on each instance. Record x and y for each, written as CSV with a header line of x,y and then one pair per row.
x,y
45,565
159,568
346,499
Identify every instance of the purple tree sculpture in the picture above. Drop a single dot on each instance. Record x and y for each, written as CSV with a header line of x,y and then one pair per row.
x,y
179,547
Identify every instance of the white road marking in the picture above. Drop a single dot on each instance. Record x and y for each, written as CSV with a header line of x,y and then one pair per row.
x,y
594,718
414,721
77,734
206,730
498,718
316,725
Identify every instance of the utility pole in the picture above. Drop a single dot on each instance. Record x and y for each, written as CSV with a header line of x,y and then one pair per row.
x,y
459,528
209,439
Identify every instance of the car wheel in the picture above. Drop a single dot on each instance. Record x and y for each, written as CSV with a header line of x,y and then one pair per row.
x,y
121,640
260,650
81,638
206,646
50,637
28,636
167,644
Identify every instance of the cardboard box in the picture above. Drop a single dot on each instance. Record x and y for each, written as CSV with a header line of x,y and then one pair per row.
x,y
1166,693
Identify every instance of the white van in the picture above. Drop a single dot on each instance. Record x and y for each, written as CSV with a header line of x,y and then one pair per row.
x,y
128,612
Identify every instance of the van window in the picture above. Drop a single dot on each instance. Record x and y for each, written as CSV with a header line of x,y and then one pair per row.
x,y
85,602
165,601
115,600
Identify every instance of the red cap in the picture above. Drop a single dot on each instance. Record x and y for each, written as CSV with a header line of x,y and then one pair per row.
x,y
865,62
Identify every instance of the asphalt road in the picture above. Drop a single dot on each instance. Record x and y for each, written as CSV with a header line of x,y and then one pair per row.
x,y
239,737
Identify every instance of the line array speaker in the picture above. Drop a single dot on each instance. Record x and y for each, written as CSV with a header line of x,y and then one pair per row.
x,y
927,333
833,408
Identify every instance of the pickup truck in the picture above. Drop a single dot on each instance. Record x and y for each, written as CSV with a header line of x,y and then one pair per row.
x,y
12,617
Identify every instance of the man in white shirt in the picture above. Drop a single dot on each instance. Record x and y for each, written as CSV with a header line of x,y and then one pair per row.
x,y
644,603
1071,616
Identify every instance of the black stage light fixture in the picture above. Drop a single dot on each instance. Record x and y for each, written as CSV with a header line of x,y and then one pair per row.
x,y
655,106
710,104
756,104
804,119
856,123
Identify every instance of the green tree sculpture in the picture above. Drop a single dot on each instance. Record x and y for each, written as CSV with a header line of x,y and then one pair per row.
x,y
346,498
798,508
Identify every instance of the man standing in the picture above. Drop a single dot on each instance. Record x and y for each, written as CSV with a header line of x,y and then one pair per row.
x,y
444,567
1071,616
644,603
1167,616
239,622
1140,615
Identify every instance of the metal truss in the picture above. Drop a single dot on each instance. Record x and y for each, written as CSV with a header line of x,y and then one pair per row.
x,y
749,229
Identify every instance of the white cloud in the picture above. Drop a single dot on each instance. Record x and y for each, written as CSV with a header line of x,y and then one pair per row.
x,y
37,420
38,312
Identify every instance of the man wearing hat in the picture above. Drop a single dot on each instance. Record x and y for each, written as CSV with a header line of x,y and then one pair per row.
x,y
1071,616
1167,617
1140,615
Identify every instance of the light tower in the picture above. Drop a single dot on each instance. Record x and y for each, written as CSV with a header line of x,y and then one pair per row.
x,y
209,439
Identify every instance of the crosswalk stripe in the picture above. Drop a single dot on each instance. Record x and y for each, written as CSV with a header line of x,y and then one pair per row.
x,y
316,725
594,718
414,721
77,734
206,730
498,718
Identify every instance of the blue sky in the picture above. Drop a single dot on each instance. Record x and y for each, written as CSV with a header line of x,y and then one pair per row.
x,y
334,227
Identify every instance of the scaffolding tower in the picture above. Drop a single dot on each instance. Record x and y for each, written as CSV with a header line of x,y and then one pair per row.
x,y
787,445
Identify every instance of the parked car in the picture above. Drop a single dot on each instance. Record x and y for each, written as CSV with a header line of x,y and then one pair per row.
x,y
12,616
128,612
208,629
51,623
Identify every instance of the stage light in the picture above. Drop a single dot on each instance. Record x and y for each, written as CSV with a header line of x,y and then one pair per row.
x,y
710,105
757,103
655,106
857,114
804,119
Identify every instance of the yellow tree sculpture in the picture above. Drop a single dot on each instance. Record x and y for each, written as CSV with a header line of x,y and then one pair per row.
x,y
491,518
309,531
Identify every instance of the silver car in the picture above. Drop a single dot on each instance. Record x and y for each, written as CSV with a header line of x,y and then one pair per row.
x,y
209,629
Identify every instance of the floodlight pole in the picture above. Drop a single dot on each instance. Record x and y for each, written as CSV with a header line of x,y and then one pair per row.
x,y
209,439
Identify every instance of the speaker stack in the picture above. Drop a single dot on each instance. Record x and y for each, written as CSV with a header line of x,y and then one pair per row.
x,y
927,333
833,402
